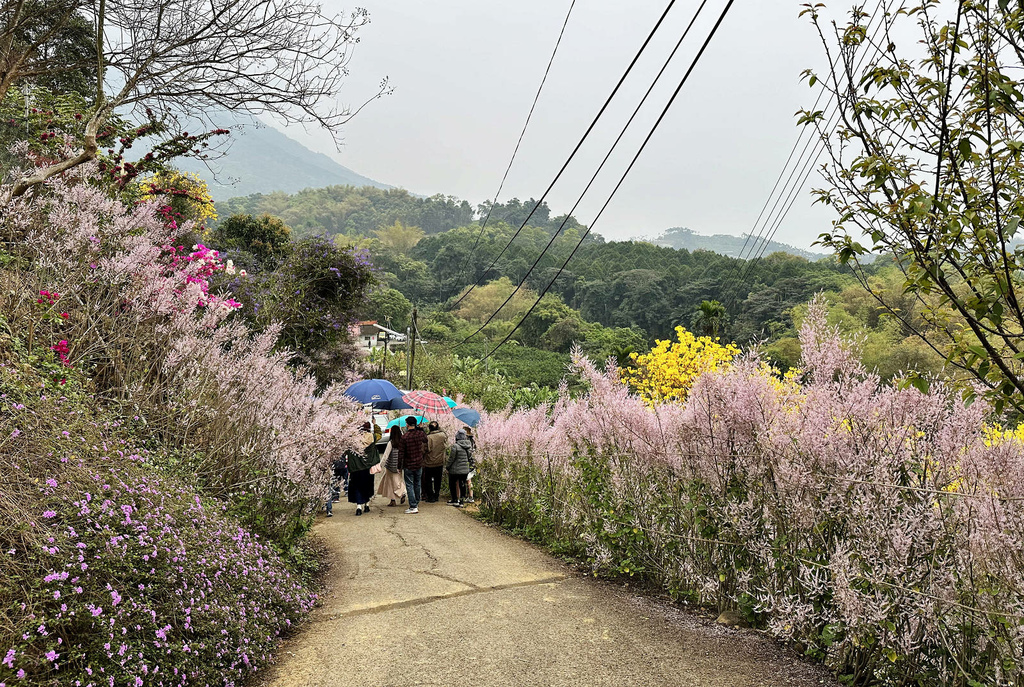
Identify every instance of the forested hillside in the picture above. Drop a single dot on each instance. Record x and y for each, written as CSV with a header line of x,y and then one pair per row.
x,y
474,283
352,211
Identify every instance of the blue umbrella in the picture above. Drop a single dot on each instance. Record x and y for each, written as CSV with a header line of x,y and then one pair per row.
x,y
400,421
399,404
467,416
378,392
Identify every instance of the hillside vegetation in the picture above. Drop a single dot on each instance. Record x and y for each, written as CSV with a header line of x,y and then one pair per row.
x,y
613,299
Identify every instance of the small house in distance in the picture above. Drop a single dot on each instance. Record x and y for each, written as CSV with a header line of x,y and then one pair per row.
x,y
371,336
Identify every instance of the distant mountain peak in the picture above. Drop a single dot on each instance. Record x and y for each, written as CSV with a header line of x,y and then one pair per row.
x,y
262,159
684,238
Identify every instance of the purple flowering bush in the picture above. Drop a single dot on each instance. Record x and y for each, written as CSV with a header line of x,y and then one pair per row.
x,y
874,527
310,295
115,572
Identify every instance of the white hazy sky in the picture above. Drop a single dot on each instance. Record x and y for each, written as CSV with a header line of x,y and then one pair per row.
x,y
464,74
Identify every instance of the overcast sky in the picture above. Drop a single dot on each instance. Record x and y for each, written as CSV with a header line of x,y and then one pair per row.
x,y
464,73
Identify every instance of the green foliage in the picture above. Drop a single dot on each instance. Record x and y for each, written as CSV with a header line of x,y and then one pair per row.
x,y
888,343
487,300
58,45
354,211
266,238
935,178
523,365
399,237
710,319
312,294
389,307
448,373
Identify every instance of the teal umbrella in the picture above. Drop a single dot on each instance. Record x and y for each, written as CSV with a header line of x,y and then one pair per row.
x,y
400,421
451,402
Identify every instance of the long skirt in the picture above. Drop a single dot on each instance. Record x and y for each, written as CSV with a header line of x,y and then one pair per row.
x,y
360,486
392,485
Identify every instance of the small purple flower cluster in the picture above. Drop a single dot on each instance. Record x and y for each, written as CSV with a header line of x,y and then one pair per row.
x,y
137,580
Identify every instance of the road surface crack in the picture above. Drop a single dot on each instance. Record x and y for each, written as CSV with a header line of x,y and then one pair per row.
x,y
383,608
434,562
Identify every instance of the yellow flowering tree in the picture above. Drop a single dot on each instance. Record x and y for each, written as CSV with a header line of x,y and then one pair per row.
x,y
185,193
669,370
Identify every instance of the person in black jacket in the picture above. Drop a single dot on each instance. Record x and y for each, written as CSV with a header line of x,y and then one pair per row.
x,y
360,485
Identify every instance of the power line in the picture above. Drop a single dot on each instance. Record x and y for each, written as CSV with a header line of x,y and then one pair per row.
x,y
801,171
650,135
593,178
522,134
579,145
759,233
809,166
796,145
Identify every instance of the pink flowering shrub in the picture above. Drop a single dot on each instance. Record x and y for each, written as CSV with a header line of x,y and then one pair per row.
x,y
158,338
871,526
181,563
118,573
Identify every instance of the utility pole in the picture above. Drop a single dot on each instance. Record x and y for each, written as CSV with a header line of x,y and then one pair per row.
x,y
408,370
384,359
412,350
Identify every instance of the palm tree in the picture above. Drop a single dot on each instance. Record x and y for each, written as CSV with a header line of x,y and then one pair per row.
x,y
710,318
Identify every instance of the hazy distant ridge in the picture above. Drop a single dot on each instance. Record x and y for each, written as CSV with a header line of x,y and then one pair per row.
x,y
725,244
264,160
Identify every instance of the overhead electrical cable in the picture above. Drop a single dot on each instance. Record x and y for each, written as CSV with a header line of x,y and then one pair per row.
x,y
593,178
801,172
522,134
650,135
832,101
810,164
572,155
758,234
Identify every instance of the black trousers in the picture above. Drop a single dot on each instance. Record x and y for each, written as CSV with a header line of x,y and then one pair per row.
x,y
457,486
432,483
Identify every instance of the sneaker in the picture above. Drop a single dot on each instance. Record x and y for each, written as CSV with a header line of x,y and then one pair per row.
x,y
330,515
411,510
470,500
359,510
366,507
403,498
453,503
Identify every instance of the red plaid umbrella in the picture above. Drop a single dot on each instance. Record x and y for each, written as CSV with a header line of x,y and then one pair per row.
x,y
426,402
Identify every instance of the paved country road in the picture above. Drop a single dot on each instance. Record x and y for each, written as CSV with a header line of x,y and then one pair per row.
x,y
441,599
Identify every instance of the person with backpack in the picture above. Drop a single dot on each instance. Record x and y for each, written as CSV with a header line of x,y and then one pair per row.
x,y
459,466
360,480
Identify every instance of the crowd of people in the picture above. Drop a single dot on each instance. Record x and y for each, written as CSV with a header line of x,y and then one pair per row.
x,y
412,466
